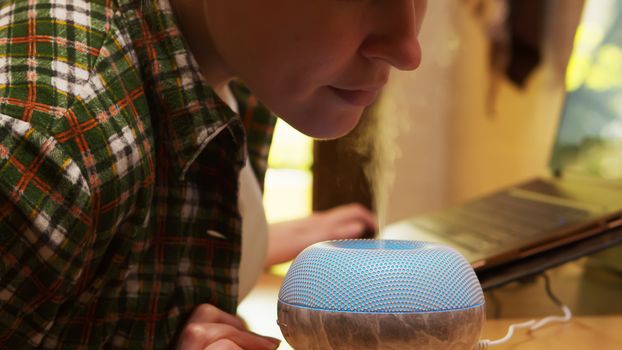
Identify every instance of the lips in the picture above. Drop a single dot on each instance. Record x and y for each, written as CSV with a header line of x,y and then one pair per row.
x,y
356,97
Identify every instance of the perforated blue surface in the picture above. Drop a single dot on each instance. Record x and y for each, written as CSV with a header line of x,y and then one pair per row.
x,y
381,276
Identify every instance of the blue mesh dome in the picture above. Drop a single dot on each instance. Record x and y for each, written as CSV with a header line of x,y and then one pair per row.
x,y
381,276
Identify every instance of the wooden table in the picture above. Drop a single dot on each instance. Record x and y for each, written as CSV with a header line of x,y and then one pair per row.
x,y
581,333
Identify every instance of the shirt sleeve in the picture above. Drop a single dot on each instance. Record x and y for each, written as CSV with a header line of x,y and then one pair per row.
x,y
44,227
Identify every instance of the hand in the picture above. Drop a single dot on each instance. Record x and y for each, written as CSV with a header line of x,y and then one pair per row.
x,y
342,222
289,238
210,328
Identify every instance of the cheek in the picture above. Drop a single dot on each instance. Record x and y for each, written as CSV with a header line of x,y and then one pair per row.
x,y
308,70
310,55
295,77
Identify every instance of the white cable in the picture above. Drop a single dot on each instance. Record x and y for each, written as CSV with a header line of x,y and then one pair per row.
x,y
567,316
486,343
531,324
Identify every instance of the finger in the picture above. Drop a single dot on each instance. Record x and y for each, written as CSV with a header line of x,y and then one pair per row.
x,y
206,313
350,230
192,337
198,336
359,212
223,344
246,340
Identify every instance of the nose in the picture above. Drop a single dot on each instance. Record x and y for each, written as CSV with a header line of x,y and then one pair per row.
x,y
395,35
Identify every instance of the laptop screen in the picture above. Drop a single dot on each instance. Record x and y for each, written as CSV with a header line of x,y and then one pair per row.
x,y
589,140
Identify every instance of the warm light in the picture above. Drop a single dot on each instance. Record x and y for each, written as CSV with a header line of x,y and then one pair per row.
x,y
288,184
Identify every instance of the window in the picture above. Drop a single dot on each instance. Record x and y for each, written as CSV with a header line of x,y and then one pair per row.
x,y
288,184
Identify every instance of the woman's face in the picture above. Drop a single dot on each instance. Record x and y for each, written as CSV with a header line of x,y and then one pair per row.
x,y
315,63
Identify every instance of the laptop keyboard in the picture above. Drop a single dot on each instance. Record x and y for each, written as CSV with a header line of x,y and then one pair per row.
x,y
498,219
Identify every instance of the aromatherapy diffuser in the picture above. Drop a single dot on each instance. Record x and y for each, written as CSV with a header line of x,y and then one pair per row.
x,y
380,294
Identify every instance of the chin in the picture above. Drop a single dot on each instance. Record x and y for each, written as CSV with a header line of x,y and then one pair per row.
x,y
326,125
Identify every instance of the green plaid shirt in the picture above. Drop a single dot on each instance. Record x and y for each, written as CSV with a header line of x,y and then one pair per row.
x,y
118,176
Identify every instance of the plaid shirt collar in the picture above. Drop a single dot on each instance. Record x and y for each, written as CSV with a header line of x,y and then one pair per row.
x,y
189,126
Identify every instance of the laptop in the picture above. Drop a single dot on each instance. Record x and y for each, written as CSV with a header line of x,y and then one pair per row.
x,y
581,199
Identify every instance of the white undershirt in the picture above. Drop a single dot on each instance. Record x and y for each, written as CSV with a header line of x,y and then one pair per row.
x,y
254,223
